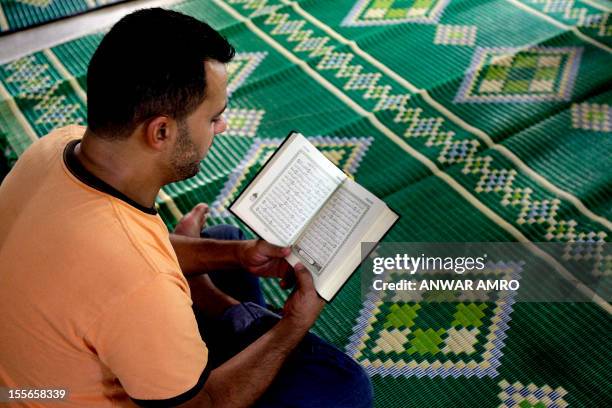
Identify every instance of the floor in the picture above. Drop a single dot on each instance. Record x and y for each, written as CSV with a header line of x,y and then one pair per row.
x,y
25,42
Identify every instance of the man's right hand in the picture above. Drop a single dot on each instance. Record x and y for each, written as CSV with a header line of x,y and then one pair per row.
x,y
303,305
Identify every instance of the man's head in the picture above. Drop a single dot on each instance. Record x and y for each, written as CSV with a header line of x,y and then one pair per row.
x,y
160,74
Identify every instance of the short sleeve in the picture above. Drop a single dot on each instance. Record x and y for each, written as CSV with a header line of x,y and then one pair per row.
x,y
151,342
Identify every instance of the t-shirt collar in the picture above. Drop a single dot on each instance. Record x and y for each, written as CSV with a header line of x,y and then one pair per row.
x,y
79,171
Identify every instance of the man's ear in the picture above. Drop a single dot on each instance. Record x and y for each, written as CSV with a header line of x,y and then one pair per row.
x,y
160,132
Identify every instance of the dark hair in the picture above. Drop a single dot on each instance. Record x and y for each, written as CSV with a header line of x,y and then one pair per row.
x,y
150,63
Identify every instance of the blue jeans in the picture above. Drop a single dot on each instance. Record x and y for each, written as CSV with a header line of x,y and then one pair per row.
x,y
315,374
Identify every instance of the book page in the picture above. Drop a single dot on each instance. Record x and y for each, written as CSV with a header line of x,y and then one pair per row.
x,y
330,229
289,190
292,199
330,245
349,258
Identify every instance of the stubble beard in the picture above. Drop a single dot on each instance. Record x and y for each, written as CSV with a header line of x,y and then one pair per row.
x,y
185,160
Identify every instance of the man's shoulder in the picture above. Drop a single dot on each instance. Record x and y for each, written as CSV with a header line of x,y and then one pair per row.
x,y
65,133
45,151
57,138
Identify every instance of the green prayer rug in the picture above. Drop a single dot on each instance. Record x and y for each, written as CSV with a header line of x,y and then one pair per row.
x,y
18,15
478,121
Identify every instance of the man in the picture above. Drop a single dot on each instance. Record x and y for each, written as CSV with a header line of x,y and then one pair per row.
x,y
98,299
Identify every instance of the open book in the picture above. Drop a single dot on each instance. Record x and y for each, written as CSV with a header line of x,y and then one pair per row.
x,y
301,199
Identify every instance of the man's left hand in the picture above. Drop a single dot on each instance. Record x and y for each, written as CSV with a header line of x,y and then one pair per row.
x,y
264,259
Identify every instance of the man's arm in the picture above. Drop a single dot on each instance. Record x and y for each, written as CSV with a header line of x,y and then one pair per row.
x,y
240,381
202,255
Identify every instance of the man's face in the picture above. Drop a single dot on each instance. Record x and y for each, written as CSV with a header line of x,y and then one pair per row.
x,y
196,132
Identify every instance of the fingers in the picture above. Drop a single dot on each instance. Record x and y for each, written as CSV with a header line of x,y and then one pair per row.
x,y
303,278
288,281
272,250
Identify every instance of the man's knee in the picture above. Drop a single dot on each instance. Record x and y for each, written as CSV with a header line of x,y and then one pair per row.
x,y
356,388
318,374
354,384
223,231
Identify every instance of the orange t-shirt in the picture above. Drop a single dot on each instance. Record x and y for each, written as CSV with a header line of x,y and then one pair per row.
x,y
92,297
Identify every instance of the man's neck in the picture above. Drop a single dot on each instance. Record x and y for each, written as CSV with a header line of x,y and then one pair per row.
x,y
117,164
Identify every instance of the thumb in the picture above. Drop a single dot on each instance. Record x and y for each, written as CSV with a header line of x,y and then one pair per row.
x,y
303,278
